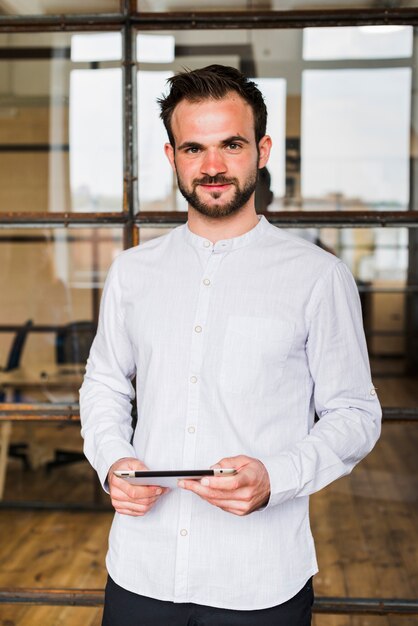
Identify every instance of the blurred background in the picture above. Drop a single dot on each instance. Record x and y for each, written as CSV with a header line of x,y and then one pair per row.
x,y
83,176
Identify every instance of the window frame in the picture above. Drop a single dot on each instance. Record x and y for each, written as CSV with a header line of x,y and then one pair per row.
x,y
128,21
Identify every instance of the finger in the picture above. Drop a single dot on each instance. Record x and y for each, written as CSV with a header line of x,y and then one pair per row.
x,y
135,492
209,493
124,484
131,512
236,462
221,483
142,501
132,508
225,483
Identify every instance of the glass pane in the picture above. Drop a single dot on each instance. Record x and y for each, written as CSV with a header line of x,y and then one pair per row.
x,y
96,47
342,137
355,137
253,5
58,7
51,287
51,283
356,43
61,123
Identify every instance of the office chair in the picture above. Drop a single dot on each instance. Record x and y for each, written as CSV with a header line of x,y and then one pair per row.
x,y
73,342
17,450
16,349
72,345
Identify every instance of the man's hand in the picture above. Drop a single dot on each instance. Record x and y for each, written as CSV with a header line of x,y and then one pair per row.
x,y
241,494
131,499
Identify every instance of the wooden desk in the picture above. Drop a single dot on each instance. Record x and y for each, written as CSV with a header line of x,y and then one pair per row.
x,y
44,378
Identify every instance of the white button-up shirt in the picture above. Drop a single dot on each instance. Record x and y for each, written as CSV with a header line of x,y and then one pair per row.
x,y
234,345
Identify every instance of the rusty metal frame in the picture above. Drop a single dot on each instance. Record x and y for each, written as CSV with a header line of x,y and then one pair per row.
x,y
95,598
167,219
57,220
130,151
61,23
126,21
179,20
273,19
70,413
129,19
299,219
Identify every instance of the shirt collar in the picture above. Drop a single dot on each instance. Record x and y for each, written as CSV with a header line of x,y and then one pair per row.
x,y
226,245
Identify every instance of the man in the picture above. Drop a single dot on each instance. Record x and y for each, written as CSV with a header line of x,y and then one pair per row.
x,y
237,332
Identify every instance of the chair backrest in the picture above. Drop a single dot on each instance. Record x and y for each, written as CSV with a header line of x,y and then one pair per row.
x,y
18,344
73,342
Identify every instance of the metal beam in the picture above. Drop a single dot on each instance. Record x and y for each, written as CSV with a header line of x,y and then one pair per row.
x,y
273,19
70,413
62,23
210,20
396,414
365,606
95,597
299,219
52,597
52,219
45,505
162,219
39,412
130,149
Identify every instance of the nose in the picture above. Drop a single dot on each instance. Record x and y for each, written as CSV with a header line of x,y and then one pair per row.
x,y
213,163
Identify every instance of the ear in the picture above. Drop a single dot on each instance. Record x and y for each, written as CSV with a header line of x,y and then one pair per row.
x,y
169,153
264,147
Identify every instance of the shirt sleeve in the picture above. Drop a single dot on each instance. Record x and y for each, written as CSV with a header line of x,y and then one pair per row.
x,y
345,399
107,391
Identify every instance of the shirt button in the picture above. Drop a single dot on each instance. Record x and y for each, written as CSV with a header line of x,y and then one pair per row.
x,y
191,430
198,329
193,379
206,281
372,391
183,532
207,244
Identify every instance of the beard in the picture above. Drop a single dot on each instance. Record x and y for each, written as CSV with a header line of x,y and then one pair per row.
x,y
220,209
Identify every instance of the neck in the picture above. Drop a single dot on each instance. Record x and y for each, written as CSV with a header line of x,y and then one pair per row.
x,y
218,228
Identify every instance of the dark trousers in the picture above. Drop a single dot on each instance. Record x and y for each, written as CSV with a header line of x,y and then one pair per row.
x,y
124,608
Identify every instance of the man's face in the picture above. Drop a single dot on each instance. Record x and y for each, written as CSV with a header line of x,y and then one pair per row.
x,y
216,158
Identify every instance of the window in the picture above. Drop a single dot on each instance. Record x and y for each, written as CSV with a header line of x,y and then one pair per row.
x,y
83,176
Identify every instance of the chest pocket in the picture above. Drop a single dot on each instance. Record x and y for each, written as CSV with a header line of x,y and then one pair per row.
x,y
254,354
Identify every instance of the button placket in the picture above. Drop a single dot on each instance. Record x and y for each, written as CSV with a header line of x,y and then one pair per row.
x,y
196,354
191,423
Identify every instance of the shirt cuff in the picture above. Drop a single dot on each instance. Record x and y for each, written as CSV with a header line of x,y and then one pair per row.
x,y
110,454
283,479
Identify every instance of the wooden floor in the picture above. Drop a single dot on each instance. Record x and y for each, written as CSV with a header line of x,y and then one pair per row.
x,y
365,527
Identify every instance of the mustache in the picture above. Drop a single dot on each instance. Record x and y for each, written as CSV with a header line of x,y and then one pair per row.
x,y
214,180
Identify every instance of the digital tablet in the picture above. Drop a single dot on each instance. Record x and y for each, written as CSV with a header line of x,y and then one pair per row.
x,y
169,478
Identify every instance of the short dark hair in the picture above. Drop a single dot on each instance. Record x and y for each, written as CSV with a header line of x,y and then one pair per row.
x,y
212,82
